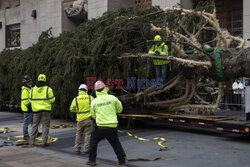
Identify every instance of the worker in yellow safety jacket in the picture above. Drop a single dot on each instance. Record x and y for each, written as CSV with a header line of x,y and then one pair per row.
x,y
104,109
160,49
81,106
25,106
41,98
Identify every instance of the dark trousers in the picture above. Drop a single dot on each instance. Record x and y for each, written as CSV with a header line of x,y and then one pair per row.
x,y
111,134
161,71
237,101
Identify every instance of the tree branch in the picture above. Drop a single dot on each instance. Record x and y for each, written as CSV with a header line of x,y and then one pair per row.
x,y
188,63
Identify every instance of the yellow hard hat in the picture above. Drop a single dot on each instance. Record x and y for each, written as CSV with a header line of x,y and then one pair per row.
x,y
42,78
157,38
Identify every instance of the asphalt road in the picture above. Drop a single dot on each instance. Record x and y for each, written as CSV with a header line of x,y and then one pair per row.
x,y
189,147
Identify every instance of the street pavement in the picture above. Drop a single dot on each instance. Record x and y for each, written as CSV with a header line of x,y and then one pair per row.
x,y
187,147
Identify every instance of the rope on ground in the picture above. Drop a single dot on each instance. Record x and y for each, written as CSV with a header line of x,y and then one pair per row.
x,y
5,130
61,126
162,140
38,139
163,148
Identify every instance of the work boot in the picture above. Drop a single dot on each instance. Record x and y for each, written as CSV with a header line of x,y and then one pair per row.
x,y
91,163
26,138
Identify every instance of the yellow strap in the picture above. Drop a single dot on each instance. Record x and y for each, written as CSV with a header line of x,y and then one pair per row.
x,y
59,126
39,139
162,140
5,130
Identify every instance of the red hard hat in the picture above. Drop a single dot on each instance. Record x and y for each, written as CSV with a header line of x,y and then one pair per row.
x,y
99,85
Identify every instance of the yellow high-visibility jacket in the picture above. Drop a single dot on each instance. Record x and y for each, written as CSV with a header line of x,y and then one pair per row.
x,y
41,98
81,106
163,50
104,109
25,98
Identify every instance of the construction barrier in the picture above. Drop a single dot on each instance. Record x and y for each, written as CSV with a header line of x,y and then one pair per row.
x,y
7,106
231,100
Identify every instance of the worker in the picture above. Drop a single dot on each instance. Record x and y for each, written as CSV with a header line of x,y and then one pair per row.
x,y
25,106
41,98
81,106
104,109
160,49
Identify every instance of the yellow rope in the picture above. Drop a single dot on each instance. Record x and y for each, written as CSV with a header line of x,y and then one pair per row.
x,y
50,139
162,140
5,130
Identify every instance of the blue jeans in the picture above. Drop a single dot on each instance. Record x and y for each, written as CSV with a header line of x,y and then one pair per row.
x,y
27,119
161,71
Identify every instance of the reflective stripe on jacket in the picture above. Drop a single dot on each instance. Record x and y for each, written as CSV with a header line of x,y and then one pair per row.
x,y
25,98
163,50
81,106
41,98
104,109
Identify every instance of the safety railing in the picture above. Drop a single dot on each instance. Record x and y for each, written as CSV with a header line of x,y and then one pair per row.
x,y
230,100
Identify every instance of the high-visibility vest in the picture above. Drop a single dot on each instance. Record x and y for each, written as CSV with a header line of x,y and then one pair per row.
x,y
163,50
25,98
81,106
41,98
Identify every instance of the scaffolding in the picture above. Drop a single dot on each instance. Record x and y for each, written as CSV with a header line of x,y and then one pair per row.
x,y
230,15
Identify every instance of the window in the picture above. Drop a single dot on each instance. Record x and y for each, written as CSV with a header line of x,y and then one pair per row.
x,y
13,35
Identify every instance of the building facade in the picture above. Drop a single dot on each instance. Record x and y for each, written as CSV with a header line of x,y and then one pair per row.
x,y
233,15
22,21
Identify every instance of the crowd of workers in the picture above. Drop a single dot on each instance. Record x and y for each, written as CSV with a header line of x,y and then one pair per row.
x,y
36,103
96,117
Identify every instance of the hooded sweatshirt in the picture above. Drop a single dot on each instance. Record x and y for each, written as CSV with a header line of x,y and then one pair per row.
x,y
104,109
41,97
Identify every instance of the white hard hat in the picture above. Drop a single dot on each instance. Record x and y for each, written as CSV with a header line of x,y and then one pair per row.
x,y
99,85
83,86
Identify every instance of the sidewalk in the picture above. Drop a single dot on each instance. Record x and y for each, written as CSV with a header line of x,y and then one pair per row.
x,y
12,156
16,156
